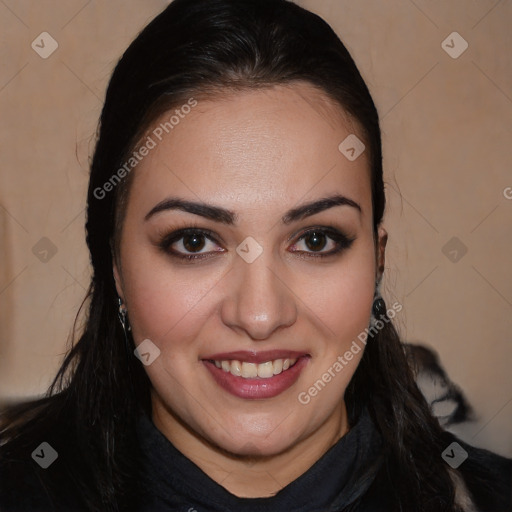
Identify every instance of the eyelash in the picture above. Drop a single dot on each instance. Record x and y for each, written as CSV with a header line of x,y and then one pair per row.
x,y
343,242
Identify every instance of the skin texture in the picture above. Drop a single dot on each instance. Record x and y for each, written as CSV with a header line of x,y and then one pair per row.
x,y
258,153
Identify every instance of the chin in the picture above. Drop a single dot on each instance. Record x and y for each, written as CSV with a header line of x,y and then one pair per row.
x,y
268,440
249,446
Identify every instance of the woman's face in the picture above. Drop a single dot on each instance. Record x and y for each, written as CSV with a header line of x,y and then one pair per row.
x,y
259,291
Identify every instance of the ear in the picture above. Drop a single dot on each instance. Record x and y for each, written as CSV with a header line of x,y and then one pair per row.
x,y
381,252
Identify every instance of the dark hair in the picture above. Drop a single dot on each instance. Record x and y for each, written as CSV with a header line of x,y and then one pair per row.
x,y
201,48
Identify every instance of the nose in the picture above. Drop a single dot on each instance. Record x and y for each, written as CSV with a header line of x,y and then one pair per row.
x,y
258,300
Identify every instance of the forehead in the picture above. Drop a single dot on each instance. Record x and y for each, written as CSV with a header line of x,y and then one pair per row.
x,y
256,148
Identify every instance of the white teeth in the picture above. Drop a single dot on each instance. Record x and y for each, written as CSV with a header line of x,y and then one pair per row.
x,y
278,366
252,370
249,370
236,368
266,370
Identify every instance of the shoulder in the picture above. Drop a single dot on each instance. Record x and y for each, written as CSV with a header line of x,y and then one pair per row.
x,y
20,487
36,466
50,460
40,480
482,481
487,476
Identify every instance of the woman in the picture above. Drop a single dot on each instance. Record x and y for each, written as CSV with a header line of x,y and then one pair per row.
x,y
237,353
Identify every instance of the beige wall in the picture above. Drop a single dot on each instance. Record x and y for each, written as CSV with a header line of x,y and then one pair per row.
x,y
447,126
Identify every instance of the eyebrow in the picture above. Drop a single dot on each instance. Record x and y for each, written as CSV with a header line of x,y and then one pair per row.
x,y
225,216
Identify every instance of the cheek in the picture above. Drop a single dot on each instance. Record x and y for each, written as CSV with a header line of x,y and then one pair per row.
x,y
165,300
342,305
341,298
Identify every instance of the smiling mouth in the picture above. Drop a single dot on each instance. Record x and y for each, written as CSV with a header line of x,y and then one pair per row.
x,y
262,378
246,370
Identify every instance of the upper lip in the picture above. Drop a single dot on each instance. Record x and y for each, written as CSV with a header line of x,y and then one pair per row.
x,y
256,357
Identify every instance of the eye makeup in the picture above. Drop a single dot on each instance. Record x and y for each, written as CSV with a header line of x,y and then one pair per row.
x,y
185,243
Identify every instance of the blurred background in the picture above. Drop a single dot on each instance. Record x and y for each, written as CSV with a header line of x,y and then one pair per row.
x,y
441,76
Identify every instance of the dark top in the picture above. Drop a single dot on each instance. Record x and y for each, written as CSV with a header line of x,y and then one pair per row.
x,y
337,479
350,476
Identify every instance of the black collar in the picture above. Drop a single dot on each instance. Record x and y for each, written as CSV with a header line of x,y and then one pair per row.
x,y
343,474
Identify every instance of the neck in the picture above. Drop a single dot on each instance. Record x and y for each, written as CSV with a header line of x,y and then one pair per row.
x,y
251,476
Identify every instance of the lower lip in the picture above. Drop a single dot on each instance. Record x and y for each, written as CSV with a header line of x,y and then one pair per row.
x,y
257,388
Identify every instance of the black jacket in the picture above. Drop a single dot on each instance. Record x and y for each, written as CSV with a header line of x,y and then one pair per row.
x,y
350,477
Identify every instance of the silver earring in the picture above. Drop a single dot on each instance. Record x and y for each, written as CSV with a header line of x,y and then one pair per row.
x,y
122,312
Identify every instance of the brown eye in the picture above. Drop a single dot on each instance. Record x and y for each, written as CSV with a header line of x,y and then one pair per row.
x,y
190,243
194,242
315,240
